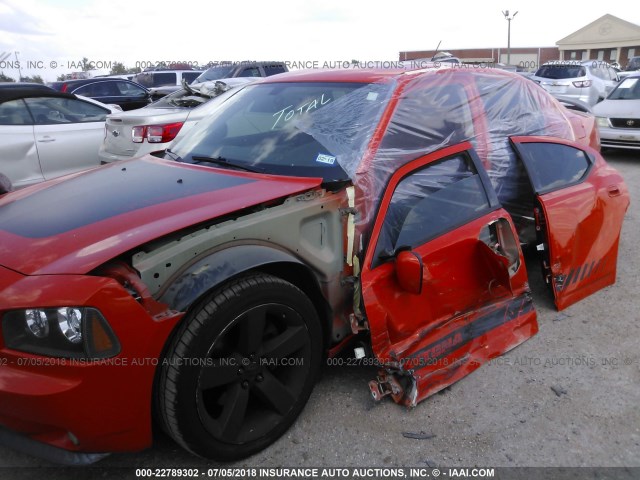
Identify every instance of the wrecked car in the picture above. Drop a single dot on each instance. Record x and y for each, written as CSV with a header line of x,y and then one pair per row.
x,y
202,290
155,127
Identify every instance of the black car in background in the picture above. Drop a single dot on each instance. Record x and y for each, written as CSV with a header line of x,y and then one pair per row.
x,y
128,95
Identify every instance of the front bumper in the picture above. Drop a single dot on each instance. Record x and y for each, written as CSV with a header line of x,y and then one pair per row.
x,y
108,157
77,405
24,444
584,95
620,138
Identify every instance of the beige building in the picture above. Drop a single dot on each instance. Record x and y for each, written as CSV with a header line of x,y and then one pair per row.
x,y
608,38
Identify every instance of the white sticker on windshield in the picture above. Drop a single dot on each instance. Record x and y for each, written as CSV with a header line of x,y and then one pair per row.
x,y
328,159
371,96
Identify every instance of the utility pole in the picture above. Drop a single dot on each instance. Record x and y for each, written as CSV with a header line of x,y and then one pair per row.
x,y
508,19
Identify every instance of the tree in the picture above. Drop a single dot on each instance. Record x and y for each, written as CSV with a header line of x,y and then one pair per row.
x,y
118,69
4,78
34,79
86,64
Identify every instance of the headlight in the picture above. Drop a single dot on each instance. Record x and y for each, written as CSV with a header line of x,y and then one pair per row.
x,y
602,121
37,323
71,332
70,323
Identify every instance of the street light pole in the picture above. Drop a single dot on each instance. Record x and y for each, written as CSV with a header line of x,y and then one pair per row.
x,y
508,19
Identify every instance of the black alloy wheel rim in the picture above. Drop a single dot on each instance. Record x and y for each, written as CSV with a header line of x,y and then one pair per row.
x,y
254,373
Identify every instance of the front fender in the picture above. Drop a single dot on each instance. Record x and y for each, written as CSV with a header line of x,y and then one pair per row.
x,y
214,269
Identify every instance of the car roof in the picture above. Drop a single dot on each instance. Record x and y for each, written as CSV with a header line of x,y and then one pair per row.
x,y
14,85
379,75
246,63
7,94
167,71
85,81
346,75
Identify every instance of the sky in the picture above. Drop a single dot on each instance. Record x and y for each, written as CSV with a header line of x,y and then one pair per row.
x,y
54,35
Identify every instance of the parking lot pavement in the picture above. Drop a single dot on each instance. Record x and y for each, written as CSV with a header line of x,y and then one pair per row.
x,y
570,396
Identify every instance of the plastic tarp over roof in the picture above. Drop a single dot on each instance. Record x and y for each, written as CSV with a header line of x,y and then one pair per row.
x,y
430,110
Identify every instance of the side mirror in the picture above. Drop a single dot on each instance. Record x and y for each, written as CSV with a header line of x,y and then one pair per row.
x,y
5,184
409,271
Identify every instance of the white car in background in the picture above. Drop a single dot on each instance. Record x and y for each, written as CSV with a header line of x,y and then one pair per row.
x,y
155,127
618,116
587,81
45,134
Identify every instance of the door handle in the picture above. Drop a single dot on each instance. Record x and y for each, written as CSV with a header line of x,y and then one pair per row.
x,y
613,190
46,140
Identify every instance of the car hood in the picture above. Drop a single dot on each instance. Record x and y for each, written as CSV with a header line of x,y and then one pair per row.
x,y
74,224
617,108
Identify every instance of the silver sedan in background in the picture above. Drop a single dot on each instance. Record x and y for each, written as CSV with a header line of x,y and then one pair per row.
x,y
154,128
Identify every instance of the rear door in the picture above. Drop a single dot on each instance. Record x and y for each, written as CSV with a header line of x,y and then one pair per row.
x,y
18,152
581,203
68,134
444,283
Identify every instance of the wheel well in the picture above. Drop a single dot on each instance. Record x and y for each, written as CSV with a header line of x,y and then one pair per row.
x,y
302,278
294,273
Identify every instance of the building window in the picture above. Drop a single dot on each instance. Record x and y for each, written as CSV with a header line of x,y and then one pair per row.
x,y
584,55
612,54
632,53
573,55
600,55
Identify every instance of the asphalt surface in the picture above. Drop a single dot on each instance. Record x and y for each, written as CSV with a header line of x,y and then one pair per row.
x,y
570,396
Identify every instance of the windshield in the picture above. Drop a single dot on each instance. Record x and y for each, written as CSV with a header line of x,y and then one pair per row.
x,y
627,89
561,71
214,73
299,129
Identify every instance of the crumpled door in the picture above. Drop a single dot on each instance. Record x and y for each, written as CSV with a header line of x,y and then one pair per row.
x,y
444,284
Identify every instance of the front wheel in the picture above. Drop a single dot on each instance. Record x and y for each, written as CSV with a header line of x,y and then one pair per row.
x,y
241,368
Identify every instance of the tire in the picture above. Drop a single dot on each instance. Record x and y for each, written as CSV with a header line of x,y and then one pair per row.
x,y
240,368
